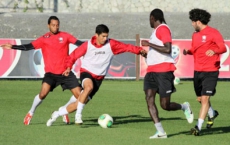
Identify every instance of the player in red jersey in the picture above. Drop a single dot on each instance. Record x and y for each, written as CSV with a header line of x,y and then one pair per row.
x,y
207,45
55,48
97,55
159,78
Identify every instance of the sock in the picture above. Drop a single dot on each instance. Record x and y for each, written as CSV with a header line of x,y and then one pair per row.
x,y
80,107
159,127
62,111
199,123
37,101
211,112
184,106
71,100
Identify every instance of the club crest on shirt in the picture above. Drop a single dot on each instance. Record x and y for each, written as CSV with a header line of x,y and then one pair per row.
x,y
60,39
203,38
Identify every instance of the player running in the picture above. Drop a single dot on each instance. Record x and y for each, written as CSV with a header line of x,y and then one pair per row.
x,y
55,48
159,78
207,45
97,55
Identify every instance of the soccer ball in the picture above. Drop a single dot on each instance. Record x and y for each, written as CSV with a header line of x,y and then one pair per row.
x,y
175,53
105,121
37,63
176,81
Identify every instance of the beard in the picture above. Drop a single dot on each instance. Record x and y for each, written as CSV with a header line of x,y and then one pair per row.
x,y
54,32
197,29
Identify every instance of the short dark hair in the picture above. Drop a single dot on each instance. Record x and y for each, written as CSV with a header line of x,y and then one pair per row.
x,y
102,29
199,15
158,15
53,18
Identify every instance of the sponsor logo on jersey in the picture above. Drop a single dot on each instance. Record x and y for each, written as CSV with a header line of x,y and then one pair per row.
x,y
99,52
46,36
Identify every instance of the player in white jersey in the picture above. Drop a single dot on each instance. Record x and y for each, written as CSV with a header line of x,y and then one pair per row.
x,y
97,55
159,77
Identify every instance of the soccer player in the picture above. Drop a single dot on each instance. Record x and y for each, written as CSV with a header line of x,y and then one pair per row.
x,y
97,55
55,48
207,45
159,78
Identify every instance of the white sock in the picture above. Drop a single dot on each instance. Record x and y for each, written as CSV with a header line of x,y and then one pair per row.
x,y
37,101
62,111
211,112
199,123
159,127
71,100
80,107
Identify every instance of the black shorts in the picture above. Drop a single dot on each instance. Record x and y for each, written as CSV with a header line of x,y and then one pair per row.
x,y
160,82
96,83
54,80
205,83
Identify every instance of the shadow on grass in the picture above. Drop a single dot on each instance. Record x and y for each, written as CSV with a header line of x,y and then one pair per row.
x,y
211,131
119,120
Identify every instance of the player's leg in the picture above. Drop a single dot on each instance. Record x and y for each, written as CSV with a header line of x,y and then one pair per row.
x,y
152,108
211,83
87,84
203,110
90,87
212,114
63,111
88,93
202,115
73,99
166,88
208,81
171,106
150,89
37,101
70,82
197,84
153,112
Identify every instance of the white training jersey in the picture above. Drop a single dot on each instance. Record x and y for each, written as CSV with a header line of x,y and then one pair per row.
x,y
97,60
154,57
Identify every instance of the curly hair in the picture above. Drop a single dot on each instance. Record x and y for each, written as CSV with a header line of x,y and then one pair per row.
x,y
199,15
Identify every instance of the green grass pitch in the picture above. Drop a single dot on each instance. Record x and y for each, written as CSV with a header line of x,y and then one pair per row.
x,y
123,100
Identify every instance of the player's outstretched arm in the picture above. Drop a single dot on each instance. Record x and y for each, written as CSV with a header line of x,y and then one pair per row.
x,y
6,46
24,47
120,47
